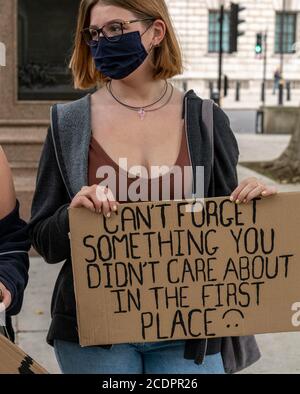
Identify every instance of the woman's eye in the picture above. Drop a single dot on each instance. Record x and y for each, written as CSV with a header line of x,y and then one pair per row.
x,y
115,28
94,34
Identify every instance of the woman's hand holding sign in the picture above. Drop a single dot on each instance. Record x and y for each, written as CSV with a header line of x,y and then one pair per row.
x,y
100,199
250,188
96,198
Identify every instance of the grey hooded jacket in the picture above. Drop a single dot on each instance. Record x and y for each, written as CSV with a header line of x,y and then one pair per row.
x,y
63,170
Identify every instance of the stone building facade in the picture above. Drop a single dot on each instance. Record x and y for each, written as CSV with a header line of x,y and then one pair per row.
x,y
193,23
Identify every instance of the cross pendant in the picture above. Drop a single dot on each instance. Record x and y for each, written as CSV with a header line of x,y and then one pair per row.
x,y
142,113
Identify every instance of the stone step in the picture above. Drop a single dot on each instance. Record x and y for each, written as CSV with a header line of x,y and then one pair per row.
x,y
22,140
27,169
32,130
26,152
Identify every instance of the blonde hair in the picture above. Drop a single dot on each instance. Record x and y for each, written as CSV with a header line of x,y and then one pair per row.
x,y
167,58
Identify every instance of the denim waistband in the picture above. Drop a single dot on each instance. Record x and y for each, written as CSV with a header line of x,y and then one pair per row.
x,y
158,344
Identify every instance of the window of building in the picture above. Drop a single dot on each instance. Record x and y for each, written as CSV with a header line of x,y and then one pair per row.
x,y
285,32
45,38
214,31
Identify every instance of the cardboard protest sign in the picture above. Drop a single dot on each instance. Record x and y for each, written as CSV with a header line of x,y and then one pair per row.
x,y
156,271
14,361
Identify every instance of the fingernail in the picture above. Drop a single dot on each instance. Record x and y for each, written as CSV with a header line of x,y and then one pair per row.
x,y
108,215
114,207
231,198
245,201
237,201
264,192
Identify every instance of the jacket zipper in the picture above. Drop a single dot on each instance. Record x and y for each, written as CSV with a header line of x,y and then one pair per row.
x,y
56,154
188,145
193,185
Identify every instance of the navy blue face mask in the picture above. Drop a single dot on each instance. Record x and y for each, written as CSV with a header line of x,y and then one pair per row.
x,y
119,59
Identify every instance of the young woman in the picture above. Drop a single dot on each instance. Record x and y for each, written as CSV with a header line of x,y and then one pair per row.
x,y
128,49
14,247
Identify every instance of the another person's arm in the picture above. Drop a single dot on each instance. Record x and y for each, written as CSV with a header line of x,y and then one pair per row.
x,y
14,243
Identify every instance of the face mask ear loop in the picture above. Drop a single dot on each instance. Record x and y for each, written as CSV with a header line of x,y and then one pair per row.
x,y
151,24
152,45
147,29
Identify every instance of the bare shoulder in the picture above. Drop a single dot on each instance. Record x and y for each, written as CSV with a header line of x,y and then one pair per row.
x,y
178,94
7,195
100,96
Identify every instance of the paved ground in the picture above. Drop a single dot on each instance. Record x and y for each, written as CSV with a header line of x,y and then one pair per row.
x,y
281,352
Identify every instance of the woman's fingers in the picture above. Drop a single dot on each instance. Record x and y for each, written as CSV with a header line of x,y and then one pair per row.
x,y
269,190
109,203
97,198
82,201
244,192
94,197
250,188
113,204
240,187
254,193
106,208
87,198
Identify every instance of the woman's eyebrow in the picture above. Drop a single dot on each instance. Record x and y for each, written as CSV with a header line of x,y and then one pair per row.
x,y
113,20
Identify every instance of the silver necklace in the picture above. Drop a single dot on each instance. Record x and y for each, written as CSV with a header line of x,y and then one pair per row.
x,y
142,110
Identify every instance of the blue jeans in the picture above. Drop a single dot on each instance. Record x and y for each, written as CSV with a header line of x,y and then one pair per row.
x,y
165,357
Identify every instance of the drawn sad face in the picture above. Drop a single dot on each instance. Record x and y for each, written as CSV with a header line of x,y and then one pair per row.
x,y
233,318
